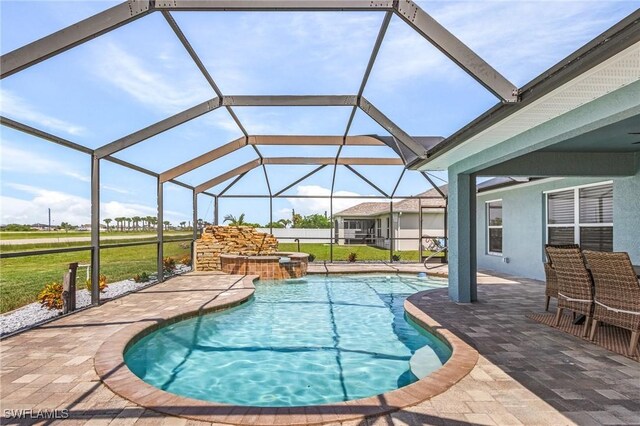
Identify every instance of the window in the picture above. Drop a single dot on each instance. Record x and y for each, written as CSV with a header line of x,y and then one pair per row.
x,y
494,227
582,216
379,227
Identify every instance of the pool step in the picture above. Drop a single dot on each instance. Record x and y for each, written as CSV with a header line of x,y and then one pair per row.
x,y
423,362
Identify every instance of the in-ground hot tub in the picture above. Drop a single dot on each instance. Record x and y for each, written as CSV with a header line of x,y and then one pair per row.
x,y
276,266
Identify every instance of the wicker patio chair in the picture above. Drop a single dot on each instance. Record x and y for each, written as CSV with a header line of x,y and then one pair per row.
x,y
617,298
575,287
551,289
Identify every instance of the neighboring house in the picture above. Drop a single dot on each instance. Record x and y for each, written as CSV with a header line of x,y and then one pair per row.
x,y
516,217
371,223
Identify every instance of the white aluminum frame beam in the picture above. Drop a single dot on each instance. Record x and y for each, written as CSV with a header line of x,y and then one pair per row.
x,y
159,127
215,103
456,50
245,168
274,5
290,101
364,140
239,143
228,175
203,159
332,160
73,35
124,13
400,135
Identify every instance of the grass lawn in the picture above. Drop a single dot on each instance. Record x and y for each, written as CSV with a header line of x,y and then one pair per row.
x,y
22,278
9,235
341,252
43,246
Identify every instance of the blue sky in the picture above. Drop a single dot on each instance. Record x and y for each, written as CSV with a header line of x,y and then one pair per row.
x,y
140,73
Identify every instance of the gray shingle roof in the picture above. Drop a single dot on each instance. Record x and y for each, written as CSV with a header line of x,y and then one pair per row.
x,y
409,205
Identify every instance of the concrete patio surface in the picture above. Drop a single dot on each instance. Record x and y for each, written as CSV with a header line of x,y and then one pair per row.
x,y
527,373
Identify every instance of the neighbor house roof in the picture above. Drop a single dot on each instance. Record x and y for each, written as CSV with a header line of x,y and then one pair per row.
x,y
365,209
410,205
434,200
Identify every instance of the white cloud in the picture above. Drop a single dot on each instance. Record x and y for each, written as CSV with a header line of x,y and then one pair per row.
x,y
519,38
14,106
143,83
116,189
64,207
306,206
68,208
294,52
20,160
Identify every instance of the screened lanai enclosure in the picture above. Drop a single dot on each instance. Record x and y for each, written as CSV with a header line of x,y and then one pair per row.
x,y
245,130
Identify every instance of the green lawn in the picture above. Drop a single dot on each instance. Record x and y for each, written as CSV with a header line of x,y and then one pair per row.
x,y
341,252
8,235
44,246
22,278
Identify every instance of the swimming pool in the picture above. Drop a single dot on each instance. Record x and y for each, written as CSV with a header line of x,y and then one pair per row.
x,y
307,341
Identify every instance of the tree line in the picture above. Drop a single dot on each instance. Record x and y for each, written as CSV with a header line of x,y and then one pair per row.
x,y
139,223
313,221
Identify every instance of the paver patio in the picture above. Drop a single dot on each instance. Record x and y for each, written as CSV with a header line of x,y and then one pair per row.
x,y
527,373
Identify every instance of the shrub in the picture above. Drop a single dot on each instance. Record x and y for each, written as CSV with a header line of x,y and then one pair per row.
x,y
185,260
352,257
168,264
51,296
141,278
312,257
395,257
102,283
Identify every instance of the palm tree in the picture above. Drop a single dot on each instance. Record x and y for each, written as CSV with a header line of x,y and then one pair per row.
x,y
166,225
108,221
182,224
136,221
150,221
233,221
285,222
128,219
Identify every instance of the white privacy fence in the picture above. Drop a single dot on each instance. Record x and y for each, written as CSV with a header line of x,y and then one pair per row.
x,y
289,235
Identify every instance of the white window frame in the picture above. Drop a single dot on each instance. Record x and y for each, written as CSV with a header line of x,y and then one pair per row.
x,y
488,227
576,212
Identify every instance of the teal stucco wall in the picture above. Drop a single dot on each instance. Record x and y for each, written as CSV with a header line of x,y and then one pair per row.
x,y
523,210
626,216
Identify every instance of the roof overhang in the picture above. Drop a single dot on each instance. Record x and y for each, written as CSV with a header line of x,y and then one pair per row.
x,y
607,63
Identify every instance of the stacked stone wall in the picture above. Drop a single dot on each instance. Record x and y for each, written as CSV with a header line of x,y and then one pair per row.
x,y
241,240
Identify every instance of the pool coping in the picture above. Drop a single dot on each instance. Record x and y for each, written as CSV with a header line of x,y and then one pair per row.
x,y
111,368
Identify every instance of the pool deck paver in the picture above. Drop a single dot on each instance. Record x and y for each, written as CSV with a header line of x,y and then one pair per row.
x,y
527,373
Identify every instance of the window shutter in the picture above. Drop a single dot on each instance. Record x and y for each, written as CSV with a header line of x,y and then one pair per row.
x,y
560,207
596,204
598,238
561,235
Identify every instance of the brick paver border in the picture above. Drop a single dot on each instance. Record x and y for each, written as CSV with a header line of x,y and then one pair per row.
x,y
112,370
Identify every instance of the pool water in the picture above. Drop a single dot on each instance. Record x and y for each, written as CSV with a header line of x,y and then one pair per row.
x,y
308,341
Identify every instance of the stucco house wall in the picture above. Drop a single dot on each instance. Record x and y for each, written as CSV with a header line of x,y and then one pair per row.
x,y
405,226
523,214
